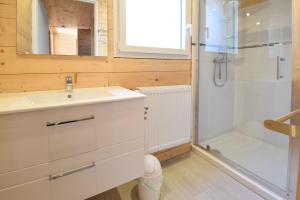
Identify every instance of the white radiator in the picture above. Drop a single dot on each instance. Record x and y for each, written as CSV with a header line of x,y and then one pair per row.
x,y
168,116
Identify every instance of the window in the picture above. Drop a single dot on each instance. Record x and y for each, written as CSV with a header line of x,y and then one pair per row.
x,y
152,28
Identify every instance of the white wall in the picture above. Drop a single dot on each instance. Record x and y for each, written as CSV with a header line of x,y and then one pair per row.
x,y
40,28
216,104
274,17
259,95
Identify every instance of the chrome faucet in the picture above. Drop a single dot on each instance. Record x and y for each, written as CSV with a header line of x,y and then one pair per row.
x,y
69,84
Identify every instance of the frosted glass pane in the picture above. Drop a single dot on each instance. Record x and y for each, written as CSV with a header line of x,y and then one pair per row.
x,y
155,23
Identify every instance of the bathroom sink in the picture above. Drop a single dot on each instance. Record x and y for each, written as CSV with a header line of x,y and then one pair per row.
x,y
19,102
88,94
15,101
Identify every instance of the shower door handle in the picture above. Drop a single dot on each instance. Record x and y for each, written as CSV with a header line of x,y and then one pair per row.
x,y
278,67
278,125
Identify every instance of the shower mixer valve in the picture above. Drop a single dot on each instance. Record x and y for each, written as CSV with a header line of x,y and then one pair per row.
x,y
221,61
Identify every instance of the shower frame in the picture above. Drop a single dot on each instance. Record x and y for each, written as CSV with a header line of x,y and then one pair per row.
x,y
243,176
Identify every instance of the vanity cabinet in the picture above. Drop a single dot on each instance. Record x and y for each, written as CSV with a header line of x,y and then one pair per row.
x,y
71,153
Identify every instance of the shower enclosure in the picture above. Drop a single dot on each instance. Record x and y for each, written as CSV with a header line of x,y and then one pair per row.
x,y
245,77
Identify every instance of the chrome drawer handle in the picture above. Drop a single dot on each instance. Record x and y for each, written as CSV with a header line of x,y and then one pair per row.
x,y
57,176
69,121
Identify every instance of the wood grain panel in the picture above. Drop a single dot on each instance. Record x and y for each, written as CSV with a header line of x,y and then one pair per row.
x,y
123,65
30,73
31,82
248,3
24,27
14,64
10,2
7,32
8,9
140,79
85,80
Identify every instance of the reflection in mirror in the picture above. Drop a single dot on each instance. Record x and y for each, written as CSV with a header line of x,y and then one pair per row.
x,y
62,27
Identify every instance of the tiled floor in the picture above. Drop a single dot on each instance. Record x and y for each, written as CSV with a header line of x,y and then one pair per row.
x,y
259,157
188,177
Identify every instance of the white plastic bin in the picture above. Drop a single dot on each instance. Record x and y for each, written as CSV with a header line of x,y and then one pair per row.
x,y
149,185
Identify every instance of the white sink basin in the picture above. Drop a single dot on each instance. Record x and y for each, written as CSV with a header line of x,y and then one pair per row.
x,y
64,97
19,102
15,101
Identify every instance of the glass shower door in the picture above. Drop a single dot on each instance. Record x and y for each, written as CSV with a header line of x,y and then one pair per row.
x,y
245,66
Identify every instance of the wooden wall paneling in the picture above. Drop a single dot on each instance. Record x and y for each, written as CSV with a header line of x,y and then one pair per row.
x,y
296,71
24,34
7,32
13,64
17,72
8,9
8,2
139,65
139,79
32,82
85,80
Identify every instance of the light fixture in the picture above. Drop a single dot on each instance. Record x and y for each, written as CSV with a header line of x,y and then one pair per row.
x,y
257,23
248,14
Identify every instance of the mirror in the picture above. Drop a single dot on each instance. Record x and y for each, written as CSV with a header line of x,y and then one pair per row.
x,y
62,27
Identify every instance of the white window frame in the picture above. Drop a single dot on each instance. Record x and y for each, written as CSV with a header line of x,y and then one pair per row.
x,y
123,50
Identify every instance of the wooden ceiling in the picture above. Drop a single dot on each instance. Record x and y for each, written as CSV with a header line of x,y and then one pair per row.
x,y
70,13
248,3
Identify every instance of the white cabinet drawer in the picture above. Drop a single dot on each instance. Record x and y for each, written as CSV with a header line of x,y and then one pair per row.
x,y
24,176
72,139
72,132
23,146
36,190
119,122
119,170
25,119
75,184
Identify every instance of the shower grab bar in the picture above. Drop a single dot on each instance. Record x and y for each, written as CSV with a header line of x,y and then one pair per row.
x,y
278,125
